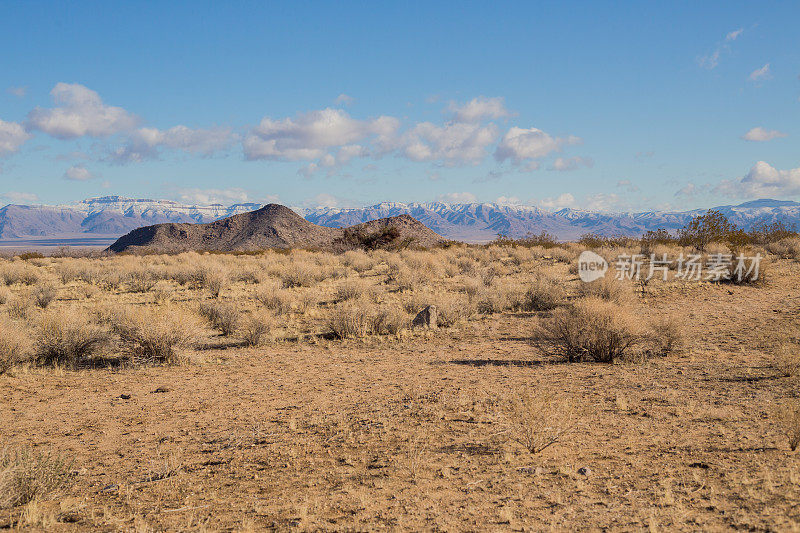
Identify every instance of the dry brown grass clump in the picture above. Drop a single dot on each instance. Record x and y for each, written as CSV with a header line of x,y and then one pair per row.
x,y
537,421
26,475
19,272
5,294
788,417
255,328
350,320
13,345
591,328
608,288
67,339
43,295
544,294
351,290
221,316
19,307
154,336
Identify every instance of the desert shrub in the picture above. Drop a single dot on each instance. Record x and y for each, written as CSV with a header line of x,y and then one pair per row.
x,y
591,328
5,294
607,288
711,227
537,421
214,280
653,238
278,300
350,290
13,345
788,418
390,321
358,261
452,309
254,329
405,277
664,337
787,359
67,339
544,294
594,241
26,475
297,276
140,281
562,255
221,316
766,232
350,319
43,295
19,307
154,336
18,272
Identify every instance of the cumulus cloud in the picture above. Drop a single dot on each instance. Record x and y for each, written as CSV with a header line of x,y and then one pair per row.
x,y
759,134
759,74
145,143
562,164
19,92
78,173
213,196
520,144
453,143
79,112
762,181
344,99
20,197
710,61
12,137
604,202
327,201
627,185
563,200
309,136
508,200
457,198
479,109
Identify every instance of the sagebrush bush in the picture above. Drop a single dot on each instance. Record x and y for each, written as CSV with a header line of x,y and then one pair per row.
x,y
350,290
140,280
19,307
14,345
350,319
222,316
43,295
280,301
544,294
452,309
591,329
67,338
390,321
255,328
26,475
19,272
154,336
537,421
607,288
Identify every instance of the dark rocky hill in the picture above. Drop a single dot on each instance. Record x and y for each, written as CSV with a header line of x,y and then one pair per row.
x,y
275,226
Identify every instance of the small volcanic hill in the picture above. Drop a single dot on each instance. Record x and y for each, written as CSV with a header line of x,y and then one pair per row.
x,y
276,226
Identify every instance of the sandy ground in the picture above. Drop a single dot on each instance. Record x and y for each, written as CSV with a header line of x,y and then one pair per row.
x,y
412,434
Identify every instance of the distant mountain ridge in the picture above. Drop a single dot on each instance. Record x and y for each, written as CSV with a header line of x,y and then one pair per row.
x,y
113,216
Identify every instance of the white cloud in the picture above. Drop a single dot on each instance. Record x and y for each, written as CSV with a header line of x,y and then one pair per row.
x,y
603,202
457,198
12,137
79,112
453,143
479,109
563,200
519,144
710,61
344,99
78,173
329,201
627,185
20,197
762,181
562,164
308,136
759,74
213,196
19,92
145,143
760,134
732,36
508,200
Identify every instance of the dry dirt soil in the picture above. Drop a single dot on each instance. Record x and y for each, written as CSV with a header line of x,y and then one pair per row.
x,y
411,433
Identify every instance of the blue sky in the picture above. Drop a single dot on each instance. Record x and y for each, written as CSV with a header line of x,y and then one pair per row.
x,y
600,105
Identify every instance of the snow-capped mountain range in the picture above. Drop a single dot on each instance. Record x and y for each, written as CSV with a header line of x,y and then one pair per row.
x,y
113,216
